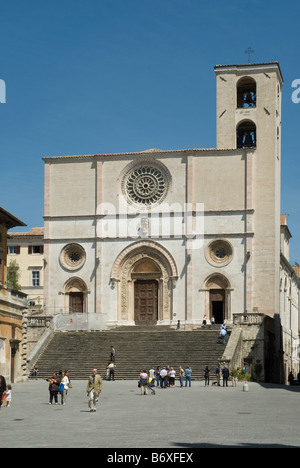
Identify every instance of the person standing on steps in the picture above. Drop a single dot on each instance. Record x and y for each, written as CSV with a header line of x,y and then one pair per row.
x,y
111,371
93,389
112,354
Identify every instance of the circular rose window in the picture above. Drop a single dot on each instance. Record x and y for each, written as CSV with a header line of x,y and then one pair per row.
x,y
72,256
219,253
146,185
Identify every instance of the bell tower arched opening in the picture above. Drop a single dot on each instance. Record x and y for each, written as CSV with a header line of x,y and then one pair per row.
x,y
246,93
246,134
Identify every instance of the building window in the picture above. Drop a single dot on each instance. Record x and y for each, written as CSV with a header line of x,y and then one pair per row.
x,y
219,253
35,278
35,249
13,250
72,257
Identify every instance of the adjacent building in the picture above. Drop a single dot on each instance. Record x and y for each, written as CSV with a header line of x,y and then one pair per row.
x,y
13,306
26,249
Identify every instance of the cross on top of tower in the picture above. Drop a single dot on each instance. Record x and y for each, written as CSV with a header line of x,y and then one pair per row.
x,y
249,51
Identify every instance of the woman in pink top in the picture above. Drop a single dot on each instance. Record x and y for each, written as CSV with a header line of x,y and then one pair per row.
x,y
144,382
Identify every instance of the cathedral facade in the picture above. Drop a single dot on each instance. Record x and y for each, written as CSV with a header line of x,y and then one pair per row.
x,y
159,236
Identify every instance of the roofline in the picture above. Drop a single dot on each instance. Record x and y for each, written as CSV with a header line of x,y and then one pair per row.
x,y
249,65
12,221
146,153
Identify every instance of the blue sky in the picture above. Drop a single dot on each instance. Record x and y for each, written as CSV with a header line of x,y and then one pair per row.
x,y
106,76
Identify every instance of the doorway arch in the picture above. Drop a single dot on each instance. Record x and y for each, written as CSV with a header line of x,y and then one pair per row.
x,y
218,291
144,270
75,291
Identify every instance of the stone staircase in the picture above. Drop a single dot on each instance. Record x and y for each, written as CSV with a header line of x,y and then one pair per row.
x,y
137,348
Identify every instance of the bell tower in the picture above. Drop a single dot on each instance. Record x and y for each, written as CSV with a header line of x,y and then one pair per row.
x,y
249,121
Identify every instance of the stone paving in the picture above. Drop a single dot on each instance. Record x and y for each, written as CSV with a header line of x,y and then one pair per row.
x,y
175,418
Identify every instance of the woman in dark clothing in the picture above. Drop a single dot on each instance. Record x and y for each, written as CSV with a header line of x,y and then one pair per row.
x,y
2,388
53,388
206,375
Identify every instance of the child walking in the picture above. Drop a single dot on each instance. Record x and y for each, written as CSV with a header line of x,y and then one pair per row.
x,y
8,396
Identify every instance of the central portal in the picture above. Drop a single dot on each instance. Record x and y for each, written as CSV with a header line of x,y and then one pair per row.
x,y
145,302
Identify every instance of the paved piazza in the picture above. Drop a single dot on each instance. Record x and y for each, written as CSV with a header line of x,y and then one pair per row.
x,y
174,419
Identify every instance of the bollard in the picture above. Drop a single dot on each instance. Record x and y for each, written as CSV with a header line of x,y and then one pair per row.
x,y
245,387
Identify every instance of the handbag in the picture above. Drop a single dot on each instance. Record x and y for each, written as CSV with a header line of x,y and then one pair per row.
x,y
61,387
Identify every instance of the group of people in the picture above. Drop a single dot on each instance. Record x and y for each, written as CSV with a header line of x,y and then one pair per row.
x,y
164,377
224,372
5,393
59,383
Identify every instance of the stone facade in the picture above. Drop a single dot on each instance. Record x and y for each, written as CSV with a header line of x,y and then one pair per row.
x,y
174,235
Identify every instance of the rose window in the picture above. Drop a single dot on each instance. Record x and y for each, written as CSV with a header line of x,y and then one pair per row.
x,y
146,185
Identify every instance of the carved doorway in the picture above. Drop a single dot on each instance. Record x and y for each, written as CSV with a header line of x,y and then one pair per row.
x,y
76,302
75,296
145,302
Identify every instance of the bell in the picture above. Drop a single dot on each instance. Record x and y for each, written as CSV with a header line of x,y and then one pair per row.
x,y
248,140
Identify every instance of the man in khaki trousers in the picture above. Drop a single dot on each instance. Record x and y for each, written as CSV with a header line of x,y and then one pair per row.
x,y
94,388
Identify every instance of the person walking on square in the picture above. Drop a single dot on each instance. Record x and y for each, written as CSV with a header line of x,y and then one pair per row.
x,y
225,374
218,374
93,389
212,322
64,384
188,376
53,388
2,388
206,375
8,395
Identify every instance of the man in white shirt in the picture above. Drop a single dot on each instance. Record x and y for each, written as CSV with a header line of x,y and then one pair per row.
x,y
163,378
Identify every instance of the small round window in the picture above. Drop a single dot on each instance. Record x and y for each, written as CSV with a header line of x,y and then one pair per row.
x,y
219,253
72,257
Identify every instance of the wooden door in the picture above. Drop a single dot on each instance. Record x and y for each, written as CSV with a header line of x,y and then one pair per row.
x,y
76,303
145,302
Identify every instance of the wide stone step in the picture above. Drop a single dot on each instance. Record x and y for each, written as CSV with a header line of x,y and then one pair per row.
x,y
136,349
